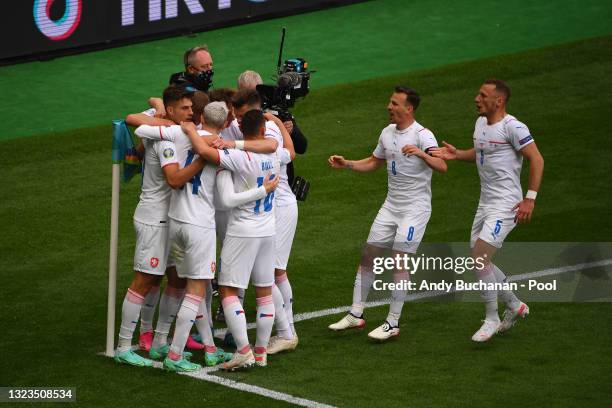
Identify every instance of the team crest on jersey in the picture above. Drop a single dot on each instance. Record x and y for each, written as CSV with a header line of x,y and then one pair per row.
x,y
154,262
168,153
213,266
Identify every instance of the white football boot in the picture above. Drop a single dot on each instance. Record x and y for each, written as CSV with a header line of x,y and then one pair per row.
x,y
348,322
239,360
486,331
384,332
278,344
511,316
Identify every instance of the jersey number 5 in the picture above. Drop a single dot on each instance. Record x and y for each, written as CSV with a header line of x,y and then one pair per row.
x,y
267,200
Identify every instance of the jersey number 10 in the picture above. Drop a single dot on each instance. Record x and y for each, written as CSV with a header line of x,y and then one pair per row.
x,y
267,200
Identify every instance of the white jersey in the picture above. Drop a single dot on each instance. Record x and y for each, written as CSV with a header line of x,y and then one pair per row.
x,y
409,177
192,203
232,132
255,218
499,161
155,193
283,195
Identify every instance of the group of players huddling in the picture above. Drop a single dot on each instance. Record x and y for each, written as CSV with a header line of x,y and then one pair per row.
x,y
215,168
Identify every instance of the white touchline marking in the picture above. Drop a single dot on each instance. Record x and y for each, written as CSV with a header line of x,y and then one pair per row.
x,y
205,374
220,333
254,389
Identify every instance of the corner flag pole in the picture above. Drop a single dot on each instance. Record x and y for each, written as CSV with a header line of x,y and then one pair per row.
x,y
112,263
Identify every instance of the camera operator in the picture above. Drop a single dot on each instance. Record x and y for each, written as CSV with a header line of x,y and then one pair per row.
x,y
250,80
198,69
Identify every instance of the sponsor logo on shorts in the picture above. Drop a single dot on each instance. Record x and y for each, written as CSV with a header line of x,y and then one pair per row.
x,y
239,312
168,153
154,262
266,315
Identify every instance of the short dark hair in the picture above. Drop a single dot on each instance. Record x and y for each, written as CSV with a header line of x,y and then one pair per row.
x,y
500,86
175,93
190,53
200,100
412,96
246,97
222,95
252,122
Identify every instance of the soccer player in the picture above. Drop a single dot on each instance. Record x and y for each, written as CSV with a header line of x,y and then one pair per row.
x,y
500,143
156,116
249,247
160,173
286,217
400,224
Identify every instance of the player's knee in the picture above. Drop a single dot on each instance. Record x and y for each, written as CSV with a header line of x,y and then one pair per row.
x,y
263,291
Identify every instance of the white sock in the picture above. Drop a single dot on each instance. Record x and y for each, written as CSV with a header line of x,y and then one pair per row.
x,y
208,300
184,322
148,310
236,322
285,289
130,311
398,298
203,325
489,297
280,318
363,283
168,308
265,321
507,296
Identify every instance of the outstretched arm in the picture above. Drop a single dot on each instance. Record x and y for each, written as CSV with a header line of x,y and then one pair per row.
x,y
450,152
199,144
138,119
229,198
267,145
434,163
177,178
536,170
364,165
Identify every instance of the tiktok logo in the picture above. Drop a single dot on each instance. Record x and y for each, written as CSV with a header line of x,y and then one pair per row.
x,y
59,29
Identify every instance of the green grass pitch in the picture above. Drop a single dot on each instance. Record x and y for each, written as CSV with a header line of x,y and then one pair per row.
x,y
56,206
55,212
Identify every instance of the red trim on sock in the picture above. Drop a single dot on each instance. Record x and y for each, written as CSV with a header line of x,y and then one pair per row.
x,y
134,297
260,350
229,300
245,349
266,300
